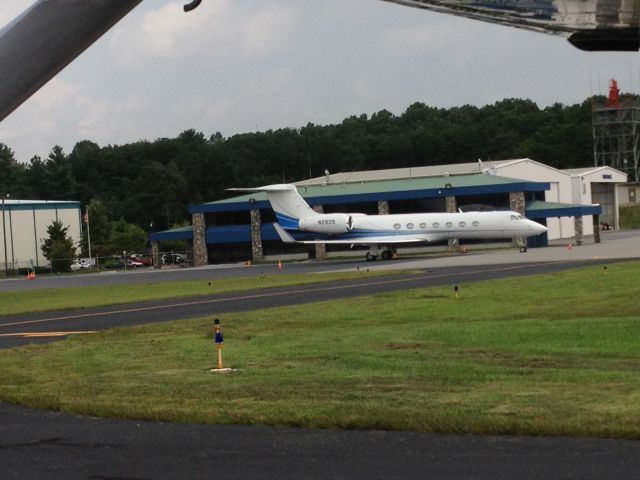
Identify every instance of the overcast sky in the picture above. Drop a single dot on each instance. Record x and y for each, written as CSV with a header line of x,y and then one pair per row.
x,y
244,65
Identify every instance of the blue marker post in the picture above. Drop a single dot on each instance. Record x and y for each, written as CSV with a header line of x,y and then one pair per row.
x,y
219,341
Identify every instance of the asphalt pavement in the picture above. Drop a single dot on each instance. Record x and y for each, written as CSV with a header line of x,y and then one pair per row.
x,y
46,445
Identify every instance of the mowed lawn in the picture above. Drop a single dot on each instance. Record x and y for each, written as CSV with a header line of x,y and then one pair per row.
x,y
44,300
545,355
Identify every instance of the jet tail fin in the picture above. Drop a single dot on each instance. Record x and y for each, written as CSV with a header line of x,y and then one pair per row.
x,y
287,203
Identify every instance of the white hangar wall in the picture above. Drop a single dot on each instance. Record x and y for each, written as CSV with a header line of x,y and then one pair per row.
x,y
560,191
599,185
25,228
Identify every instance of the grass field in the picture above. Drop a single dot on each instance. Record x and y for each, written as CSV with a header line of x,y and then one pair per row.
x,y
630,216
30,301
545,355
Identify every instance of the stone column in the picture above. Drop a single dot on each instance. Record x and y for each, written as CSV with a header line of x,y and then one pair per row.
x,y
517,204
383,207
321,248
155,255
452,206
596,229
579,230
200,254
257,252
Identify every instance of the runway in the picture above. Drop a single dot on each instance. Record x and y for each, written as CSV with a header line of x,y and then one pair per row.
x,y
38,444
38,328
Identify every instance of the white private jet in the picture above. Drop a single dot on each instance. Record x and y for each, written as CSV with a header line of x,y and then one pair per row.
x,y
299,223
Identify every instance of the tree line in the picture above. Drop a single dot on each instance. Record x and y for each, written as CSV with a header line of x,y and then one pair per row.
x,y
150,184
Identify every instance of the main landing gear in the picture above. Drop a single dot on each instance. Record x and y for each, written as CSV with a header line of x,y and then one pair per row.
x,y
386,254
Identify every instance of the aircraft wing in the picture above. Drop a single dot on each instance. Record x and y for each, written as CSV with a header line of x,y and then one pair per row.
x,y
47,37
590,25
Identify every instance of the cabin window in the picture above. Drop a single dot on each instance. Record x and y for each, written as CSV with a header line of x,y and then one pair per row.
x,y
462,224
475,223
396,226
409,226
423,225
436,225
449,224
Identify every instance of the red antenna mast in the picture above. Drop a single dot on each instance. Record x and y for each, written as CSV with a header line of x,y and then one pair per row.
x,y
613,95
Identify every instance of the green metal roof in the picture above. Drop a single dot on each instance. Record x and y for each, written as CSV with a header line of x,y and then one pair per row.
x,y
384,186
182,233
541,209
464,184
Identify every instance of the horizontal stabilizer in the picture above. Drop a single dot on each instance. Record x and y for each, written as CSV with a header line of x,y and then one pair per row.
x,y
283,187
284,235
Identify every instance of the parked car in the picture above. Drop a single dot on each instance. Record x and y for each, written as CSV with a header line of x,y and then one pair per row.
x,y
144,260
80,263
133,263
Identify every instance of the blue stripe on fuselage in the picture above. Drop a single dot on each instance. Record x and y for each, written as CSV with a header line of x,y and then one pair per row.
x,y
287,222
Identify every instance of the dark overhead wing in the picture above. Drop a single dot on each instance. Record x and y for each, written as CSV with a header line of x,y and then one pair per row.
x,y
46,38
588,24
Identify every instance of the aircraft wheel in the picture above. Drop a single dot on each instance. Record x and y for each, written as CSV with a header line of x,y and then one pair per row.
x,y
370,257
387,255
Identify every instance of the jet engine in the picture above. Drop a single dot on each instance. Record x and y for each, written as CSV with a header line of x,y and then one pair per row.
x,y
330,223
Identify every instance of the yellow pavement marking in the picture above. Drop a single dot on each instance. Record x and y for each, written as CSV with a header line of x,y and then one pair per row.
x,y
45,334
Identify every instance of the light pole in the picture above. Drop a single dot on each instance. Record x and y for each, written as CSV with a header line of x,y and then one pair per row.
x,y
13,259
4,237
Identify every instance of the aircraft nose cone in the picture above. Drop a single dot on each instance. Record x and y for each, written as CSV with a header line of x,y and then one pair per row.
x,y
537,228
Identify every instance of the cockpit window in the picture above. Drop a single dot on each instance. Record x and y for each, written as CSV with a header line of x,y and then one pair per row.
x,y
516,217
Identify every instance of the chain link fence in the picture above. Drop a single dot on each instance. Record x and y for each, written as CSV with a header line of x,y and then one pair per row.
x,y
125,262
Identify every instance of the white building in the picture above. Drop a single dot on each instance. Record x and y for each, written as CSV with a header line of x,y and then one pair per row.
x,y
601,185
24,229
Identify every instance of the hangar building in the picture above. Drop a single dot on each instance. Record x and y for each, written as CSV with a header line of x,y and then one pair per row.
x,y
566,201
24,229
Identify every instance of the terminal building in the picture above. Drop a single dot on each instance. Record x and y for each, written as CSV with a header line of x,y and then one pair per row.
x,y
24,229
572,204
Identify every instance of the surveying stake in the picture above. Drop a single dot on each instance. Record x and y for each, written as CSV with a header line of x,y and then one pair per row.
x,y
219,341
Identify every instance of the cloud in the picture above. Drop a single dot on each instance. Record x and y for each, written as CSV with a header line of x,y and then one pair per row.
x,y
64,113
41,115
220,28
419,39
268,29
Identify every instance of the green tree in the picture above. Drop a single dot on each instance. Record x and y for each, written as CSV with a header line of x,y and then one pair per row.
x,y
58,247
99,228
126,237
12,173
